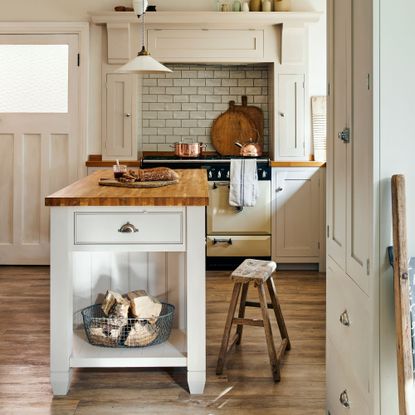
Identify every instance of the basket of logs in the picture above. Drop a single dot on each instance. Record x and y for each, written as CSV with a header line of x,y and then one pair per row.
x,y
134,320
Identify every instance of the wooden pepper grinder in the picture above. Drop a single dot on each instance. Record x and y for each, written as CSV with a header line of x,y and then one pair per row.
x,y
255,5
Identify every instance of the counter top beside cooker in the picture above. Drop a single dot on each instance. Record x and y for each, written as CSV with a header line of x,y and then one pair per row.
x,y
192,190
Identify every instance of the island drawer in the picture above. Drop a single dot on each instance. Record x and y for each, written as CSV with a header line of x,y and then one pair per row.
x,y
147,227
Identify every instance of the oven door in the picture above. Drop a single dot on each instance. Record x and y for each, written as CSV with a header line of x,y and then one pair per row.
x,y
225,219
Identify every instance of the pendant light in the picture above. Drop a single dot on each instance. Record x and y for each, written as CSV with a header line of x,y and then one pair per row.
x,y
143,62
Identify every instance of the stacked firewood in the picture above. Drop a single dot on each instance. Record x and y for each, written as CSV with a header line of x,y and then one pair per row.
x,y
131,320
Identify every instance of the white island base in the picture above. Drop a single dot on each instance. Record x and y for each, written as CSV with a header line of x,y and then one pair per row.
x,y
166,257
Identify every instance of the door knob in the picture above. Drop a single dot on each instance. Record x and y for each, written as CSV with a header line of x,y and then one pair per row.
x,y
344,135
344,399
344,318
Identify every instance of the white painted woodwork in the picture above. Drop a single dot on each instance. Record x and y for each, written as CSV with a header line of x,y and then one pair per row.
x,y
170,44
291,117
120,121
350,341
240,246
337,151
119,41
359,165
294,44
223,218
88,271
153,227
296,214
352,352
41,152
337,382
172,353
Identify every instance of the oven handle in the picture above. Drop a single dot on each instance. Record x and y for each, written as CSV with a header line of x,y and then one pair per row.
x,y
217,184
222,241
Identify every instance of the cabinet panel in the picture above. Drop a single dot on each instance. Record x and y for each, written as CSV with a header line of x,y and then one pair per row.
x,y
348,323
120,117
343,395
296,212
359,169
193,44
291,120
337,149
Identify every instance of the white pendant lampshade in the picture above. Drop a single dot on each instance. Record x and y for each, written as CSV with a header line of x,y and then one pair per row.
x,y
140,6
143,63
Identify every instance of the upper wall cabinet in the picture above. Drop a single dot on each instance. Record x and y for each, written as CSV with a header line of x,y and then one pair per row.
x,y
291,117
120,120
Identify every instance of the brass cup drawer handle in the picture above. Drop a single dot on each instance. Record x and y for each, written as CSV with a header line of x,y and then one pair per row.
x,y
128,228
344,319
344,399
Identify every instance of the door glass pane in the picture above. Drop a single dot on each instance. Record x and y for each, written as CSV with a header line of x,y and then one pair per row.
x,y
34,78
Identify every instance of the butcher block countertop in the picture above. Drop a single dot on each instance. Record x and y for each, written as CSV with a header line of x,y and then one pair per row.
x,y
192,190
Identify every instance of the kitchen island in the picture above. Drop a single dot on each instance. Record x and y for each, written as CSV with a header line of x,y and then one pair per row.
x,y
159,233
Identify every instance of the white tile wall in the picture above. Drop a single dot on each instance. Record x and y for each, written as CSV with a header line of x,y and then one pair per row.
x,y
183,104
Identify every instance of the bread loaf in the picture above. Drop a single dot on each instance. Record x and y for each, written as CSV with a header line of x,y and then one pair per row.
x,y
155,174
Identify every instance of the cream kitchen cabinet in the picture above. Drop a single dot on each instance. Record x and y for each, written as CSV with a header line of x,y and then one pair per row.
x,y
297,202
352,319
290,123
119,125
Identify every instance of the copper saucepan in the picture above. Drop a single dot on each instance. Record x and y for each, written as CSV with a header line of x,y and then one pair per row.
x,y
249,149
182,149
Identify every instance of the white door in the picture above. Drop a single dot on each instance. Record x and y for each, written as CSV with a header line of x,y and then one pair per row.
x,y
297,213
38,138
359,150
339,102
291,116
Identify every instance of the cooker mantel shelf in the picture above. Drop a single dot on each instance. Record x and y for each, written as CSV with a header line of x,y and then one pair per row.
x,y
205,19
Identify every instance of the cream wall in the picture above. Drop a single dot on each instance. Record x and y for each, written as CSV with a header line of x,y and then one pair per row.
x,y
66,10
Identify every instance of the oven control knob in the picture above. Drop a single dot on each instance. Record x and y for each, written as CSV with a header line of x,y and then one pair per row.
x,y
264,174
210,175
219,175
228,174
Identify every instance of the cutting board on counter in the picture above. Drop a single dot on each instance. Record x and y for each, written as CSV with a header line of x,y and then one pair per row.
x,y
231,126
256,115
135,185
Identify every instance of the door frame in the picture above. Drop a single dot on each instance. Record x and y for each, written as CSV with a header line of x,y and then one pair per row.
x,y
81,29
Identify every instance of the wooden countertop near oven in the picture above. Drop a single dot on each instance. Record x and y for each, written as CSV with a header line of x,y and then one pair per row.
x,y
192,190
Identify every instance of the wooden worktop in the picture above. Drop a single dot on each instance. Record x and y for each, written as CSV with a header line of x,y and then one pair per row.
x,y
192,190
298,164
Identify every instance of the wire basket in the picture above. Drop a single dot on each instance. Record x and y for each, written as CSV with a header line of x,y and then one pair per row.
x,y
129,332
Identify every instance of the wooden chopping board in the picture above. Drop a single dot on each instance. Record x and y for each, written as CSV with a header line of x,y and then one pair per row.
x,y
136,185
229,127
256,115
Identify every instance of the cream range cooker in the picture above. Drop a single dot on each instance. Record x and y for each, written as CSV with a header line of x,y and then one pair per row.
x,y
232,234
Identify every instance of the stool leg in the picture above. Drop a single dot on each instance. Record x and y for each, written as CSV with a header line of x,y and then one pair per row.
x,y
277,311
228,327
275,367
241,313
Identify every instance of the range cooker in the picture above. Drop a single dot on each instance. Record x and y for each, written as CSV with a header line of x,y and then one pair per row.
x,y
232,234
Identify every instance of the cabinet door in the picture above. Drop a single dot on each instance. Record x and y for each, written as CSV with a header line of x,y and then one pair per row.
x,y
120,117
339,98
359,150
291,104
296,214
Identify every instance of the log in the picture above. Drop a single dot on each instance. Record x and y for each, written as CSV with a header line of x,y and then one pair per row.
x,y
115,305
141,334
144,306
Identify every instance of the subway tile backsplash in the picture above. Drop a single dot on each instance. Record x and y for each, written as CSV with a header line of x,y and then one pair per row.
x,y
183,105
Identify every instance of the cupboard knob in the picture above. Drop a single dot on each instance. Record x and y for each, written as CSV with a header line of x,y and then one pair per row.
x,y
128,228
128,115
344,399
282,114
344,318
278,189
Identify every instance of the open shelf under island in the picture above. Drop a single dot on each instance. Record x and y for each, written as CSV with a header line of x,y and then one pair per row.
x,y
166,256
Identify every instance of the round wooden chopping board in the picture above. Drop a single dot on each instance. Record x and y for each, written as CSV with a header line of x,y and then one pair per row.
x,y
229,127
256,115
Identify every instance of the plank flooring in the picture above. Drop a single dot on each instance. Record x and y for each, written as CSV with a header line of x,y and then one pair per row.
x,y
246,386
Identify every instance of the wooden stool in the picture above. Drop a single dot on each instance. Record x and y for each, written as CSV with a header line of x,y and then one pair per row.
x,y
258,272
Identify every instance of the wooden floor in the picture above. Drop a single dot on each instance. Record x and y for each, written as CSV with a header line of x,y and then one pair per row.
x,y
245,388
